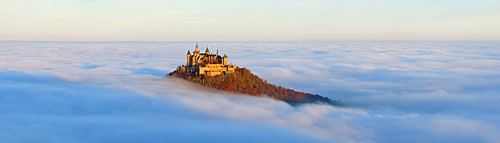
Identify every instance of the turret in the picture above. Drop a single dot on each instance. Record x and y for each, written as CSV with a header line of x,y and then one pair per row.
x,y
188,58
207,51
197,50
224,60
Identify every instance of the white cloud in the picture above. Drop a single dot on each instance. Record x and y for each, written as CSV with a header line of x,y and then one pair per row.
x,y
113,92
465,127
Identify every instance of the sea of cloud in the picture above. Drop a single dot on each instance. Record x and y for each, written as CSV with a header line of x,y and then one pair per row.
x,y
117,92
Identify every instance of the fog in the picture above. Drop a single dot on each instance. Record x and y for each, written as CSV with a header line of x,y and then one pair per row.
x,y
117,92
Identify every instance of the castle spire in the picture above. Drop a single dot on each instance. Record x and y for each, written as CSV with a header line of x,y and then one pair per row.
x,y
217,52
189,52
196,48
207,51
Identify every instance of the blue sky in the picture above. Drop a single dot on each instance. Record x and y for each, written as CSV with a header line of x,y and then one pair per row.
x,y
237,20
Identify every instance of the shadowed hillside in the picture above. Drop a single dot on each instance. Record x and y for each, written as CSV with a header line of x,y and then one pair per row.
x,y
243,81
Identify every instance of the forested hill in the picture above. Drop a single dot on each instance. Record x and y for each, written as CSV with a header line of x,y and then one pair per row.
x,y
243,81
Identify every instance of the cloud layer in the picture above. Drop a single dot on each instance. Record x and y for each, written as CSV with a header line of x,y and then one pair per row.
x,y
114,92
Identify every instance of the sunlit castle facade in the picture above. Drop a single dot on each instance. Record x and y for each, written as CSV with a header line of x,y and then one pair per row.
x,y
206,63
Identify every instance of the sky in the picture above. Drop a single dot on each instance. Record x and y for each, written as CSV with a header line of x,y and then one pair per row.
x,y
116,92
256,20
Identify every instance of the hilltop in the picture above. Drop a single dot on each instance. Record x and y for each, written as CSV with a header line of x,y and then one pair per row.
x,y
243,81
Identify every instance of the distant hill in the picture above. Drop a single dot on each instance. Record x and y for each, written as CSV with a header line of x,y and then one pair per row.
x,y
243,81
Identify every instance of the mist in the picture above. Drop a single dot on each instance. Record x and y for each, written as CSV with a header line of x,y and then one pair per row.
x,y
117,92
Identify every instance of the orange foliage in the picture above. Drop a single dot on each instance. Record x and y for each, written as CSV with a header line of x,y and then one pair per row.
x,y
243,81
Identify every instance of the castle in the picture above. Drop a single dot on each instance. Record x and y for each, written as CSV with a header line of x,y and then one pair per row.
x,y
206,63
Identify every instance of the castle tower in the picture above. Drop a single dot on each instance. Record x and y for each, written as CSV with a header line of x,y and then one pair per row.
x,y
224,60
196,50
188,58
207,51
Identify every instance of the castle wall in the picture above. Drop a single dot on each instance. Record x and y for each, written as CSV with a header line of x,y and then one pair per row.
x,y
216,69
